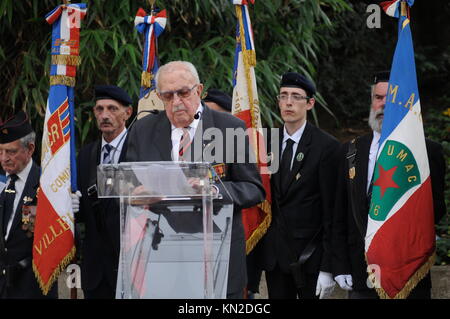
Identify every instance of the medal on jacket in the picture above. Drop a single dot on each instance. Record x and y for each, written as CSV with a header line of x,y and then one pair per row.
x,y
28,216
351,173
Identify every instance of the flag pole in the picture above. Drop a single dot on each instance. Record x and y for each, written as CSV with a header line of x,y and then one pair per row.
x,y
73,290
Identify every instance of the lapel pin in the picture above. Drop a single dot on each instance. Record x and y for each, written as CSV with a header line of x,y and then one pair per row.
x,y
300,157
351,173
297,176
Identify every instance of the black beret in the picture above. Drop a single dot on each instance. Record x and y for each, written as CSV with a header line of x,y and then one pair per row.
x,y
382,76
112,92
219,97
15,128
295,80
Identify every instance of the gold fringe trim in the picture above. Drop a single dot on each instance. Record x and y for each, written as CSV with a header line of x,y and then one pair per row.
x,y
146,79
62,80
262,228
45,287
63,59
250,57
412,282
249,60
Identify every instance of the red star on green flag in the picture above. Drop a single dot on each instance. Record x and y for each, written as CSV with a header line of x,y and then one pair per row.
x,y
385,180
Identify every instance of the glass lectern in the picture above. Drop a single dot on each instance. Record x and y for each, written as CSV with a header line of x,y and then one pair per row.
x,y
175,234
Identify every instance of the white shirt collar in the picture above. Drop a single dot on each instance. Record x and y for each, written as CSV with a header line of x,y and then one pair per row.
x,y
117,142
23,175
376,137
296,136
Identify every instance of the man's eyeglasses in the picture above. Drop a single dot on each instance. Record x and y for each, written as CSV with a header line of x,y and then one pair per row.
x,y
182,93
294,97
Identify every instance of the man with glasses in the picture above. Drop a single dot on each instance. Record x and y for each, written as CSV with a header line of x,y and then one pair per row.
x,y
101,246
295,251
163,137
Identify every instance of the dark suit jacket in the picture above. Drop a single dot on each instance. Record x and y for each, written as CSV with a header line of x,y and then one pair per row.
x,y
18,247
100,248
348,240
305,207
150,140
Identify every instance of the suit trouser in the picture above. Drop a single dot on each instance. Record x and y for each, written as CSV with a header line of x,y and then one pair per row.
x,y
281,285
102,291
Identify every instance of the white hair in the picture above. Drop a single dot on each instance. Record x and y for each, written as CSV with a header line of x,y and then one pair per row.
x,y
28,139
176,65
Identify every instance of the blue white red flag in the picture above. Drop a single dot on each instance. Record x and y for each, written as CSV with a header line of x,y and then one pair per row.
x,y
245,105
53,245
400,238
152,26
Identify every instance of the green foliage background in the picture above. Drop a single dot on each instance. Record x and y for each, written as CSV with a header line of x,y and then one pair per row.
x,y
327,40
199,31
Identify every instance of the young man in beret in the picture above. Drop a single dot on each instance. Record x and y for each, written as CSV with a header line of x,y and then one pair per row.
x,y
17,145
352,201
296,248
101,245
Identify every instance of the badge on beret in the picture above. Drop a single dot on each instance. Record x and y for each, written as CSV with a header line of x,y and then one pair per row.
x,y
300,157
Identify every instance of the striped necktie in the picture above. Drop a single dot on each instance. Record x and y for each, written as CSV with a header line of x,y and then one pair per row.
x,y
107,154
185,142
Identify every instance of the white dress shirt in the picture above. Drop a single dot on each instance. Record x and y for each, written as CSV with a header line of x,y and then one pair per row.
x,y
372,157
177,132
295,137
116,149
19,186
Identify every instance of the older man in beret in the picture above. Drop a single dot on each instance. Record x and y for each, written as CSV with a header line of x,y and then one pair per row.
x,y
17,201
352,201
101,245
296,248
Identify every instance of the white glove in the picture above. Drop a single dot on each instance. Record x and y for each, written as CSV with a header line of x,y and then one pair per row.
x,y
325,285
75,201
344,281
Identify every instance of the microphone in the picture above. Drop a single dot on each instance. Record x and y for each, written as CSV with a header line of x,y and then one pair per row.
x,y
197,115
